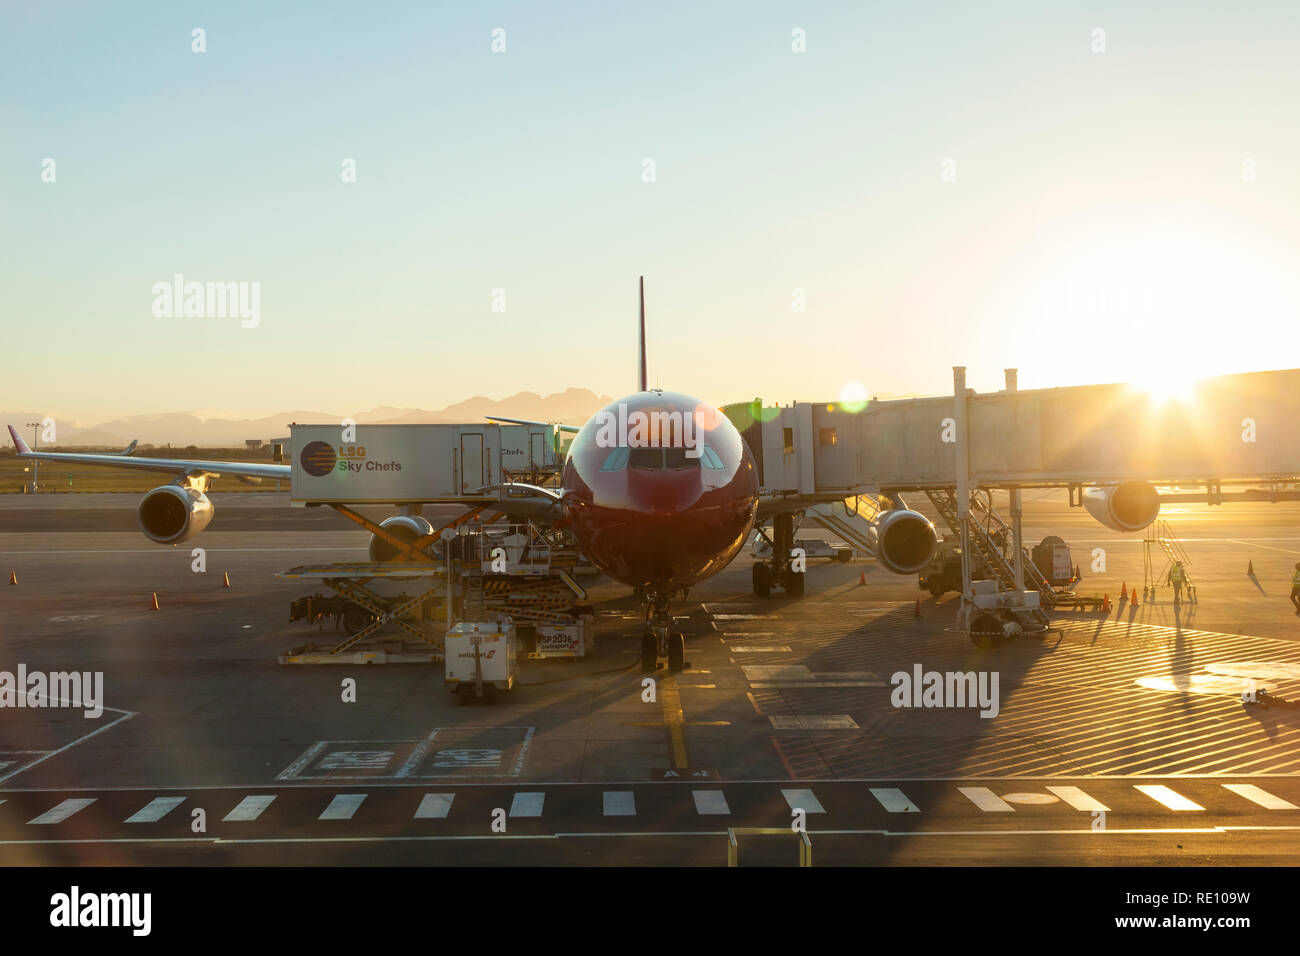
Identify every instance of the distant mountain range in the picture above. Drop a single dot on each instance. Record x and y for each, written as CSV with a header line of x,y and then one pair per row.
x,y
572,406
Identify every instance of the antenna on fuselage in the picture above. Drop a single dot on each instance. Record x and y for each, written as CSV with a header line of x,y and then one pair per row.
x,y
641,383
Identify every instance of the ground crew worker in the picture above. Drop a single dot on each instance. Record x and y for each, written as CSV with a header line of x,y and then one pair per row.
x,y
1178,577
1295,588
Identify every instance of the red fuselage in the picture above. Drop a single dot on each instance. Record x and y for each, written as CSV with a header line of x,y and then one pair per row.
x,y
666,506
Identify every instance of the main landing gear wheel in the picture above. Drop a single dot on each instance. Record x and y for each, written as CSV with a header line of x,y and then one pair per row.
x,y
676,651
649,652
936,587
355,617
986,631
794,583
762,577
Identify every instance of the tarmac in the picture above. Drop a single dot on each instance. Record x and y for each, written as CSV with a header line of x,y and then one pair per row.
x,y
1116,739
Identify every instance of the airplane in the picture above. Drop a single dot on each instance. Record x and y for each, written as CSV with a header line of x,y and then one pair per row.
x,y
660,512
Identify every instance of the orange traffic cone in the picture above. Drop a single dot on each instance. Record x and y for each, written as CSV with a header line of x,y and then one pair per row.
x,y
13,576
225,579
1250,569
916,611
862,578
1134,602
1123,591
1105,603
154,606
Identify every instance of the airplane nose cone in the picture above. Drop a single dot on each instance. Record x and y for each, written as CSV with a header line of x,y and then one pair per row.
x,y
663,492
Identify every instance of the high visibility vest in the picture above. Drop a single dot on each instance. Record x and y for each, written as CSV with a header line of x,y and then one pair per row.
x,y
1177,576
1295,580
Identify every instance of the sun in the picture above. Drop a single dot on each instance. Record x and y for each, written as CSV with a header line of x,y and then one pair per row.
x,y
1167,385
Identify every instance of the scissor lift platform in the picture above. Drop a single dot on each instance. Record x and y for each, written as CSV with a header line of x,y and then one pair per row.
x,y
351,582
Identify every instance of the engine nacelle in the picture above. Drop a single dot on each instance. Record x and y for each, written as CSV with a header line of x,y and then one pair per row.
x,y
172,514
405,527
1129,506
903,541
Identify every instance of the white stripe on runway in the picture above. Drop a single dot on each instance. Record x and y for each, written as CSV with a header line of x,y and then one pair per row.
x,y
155,810
1078,799
710,802
620,803
1256,795
250,808
527,804
986,800
435,806
64,810
804,800
343,806
1174,801
894,800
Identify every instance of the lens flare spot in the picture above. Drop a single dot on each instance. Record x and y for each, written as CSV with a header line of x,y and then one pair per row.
x,y
853,396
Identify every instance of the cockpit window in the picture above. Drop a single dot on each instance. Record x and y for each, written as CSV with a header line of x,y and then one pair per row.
x,y
659,459
677,458
617,460
646,458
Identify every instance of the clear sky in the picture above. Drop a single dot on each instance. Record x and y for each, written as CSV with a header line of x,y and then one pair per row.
x,y
1116,215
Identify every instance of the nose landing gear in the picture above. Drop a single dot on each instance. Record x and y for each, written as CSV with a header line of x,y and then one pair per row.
x,y
659,638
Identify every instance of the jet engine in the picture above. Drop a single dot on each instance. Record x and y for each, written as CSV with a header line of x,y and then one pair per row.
x,y
903,541
405,527
172,514
1129,506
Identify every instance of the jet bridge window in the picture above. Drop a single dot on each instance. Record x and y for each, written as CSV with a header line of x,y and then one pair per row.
x,y
826,436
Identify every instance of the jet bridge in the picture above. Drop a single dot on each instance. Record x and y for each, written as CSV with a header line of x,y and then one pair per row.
x,y
1109,444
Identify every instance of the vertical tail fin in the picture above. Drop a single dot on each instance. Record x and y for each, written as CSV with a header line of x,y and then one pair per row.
x,y
641,382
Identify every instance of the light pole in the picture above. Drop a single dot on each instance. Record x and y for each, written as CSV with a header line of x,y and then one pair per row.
x,y
36,463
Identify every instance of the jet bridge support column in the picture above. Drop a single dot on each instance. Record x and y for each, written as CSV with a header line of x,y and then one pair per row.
x,y
963,494
1013,385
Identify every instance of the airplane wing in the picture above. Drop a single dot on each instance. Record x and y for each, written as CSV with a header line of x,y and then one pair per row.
x,y
528,421
171,466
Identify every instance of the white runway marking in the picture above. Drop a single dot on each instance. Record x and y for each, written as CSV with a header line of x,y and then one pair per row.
x,y
619,803
64,810
435,806
710,802
776,672
250,808
1078,799
1260,796
814,722
343,806
894,800
527,804
804,800
155,810
1171,799
126,715
986,799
